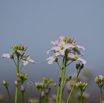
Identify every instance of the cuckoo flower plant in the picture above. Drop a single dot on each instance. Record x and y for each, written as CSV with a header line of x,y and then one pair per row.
x,y
68,50
19,52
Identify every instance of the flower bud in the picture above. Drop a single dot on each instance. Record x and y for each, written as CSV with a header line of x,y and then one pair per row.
x,y
56,60
42,94
19,47
16,47
101,84
22,88
16,83
18,79
18,75
25,48
5,83
82,66
12,56
68,79
13,47
22,53
54,85
47,91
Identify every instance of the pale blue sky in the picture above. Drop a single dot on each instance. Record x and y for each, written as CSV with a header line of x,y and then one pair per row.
x,y
35,24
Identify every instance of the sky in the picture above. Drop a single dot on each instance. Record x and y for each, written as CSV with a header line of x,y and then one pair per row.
x,y
35,24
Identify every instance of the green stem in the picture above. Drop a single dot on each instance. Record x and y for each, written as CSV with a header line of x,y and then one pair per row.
x,y
59,82
8,94
14,62
22,94
69,63
64,86
81,96
73,87
16,93
63,77
40,98
21,67
100,94
45,98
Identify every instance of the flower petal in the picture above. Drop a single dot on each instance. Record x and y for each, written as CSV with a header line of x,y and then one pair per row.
x,y
31,61
24,62
79,52
54,42
6,55
56,48
51,61
49,58
68,45
71,55
49,51
61,37
81,60
62,52
80,47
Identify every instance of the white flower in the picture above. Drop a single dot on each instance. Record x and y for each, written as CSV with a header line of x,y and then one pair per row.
x,y
26,59
77,57
52,58
61,47
61,37
79,47
55,42
6,55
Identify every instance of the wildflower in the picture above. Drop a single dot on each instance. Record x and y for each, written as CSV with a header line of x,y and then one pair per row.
x,y
27,59
76,57
6,55
61,47
52,58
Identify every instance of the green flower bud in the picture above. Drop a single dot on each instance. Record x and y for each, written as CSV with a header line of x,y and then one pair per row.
x,y
18,75
19,47
13,47
12,56
50,81
64,39
45,80
68,79
5,83
56,60
16,47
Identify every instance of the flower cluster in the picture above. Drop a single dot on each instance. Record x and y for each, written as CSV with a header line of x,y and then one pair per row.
x,y
44,87
99,80
20,52
65,47
20,79
81,86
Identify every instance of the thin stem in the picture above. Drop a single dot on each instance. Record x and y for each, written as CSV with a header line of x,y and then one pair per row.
x,y
59,65
45,98
58,90
73,87
63,77
100,94
15,62
22,94
21,67
81,96
8,94
16,93
40,98
69,63
64,86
